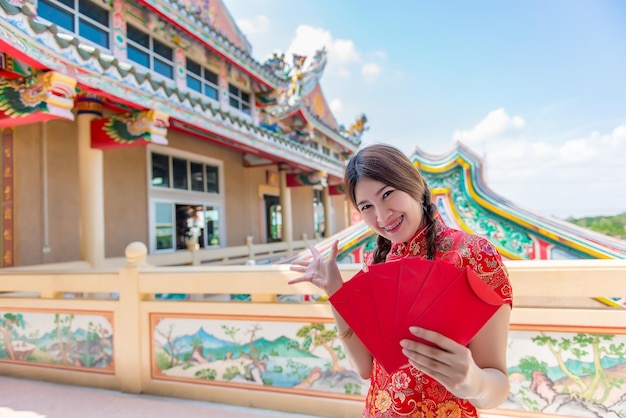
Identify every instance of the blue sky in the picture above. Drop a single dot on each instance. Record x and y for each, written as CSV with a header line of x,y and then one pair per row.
x,y
537,88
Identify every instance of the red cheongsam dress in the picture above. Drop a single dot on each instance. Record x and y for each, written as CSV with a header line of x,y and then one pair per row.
x,y
407,392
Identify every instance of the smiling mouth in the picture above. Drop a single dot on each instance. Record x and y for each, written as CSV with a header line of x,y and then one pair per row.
x,y
394,225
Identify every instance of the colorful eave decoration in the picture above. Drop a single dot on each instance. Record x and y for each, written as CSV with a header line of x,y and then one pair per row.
x,y
130,129
35,98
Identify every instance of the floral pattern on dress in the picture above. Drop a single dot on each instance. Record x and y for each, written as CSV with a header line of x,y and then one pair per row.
x,y
408,392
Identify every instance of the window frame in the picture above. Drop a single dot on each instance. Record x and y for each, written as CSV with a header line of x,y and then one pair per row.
x,y
78,18
239,100
172,196
154,57
205,84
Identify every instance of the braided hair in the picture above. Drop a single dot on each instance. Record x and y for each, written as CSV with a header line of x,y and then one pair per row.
x,y
388,165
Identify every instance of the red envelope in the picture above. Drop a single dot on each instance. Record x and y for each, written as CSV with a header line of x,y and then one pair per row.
x,y
382,303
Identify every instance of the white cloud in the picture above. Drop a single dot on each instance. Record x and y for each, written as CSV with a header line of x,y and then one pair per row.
x,y
495,124
336,106
342,53
370,71
550,176
256,25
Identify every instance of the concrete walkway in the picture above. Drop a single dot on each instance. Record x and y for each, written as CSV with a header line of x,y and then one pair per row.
x,y
20,398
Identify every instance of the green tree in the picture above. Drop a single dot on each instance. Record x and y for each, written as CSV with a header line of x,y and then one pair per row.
x,y
528,365
316,335
7,322
599,385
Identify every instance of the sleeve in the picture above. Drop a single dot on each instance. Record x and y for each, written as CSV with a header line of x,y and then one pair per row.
x,y
480,255
485,260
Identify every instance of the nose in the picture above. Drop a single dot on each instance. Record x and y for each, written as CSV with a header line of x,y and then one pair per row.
x,y
382,214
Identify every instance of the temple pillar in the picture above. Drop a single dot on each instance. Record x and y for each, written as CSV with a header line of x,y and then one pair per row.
x,y
328,212
91,184
285,204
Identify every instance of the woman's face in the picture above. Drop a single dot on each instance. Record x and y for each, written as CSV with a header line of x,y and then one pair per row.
x,y
390,212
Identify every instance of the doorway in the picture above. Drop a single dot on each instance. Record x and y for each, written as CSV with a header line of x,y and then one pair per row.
x,y
273,219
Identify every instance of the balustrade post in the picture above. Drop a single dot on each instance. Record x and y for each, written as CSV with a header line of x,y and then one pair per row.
x,y
128,323
250,245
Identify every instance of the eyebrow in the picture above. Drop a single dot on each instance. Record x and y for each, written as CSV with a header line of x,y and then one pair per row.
x,y
375,194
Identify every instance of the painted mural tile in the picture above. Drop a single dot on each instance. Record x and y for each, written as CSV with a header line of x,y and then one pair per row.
x,y
263,353
78,340
568,373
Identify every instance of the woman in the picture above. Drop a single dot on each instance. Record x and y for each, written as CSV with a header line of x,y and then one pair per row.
x,y
444,379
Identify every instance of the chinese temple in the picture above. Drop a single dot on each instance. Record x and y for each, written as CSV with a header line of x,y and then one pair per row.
x,y
151,121
146,154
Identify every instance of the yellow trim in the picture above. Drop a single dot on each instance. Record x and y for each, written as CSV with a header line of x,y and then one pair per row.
x,y
444,191
482,202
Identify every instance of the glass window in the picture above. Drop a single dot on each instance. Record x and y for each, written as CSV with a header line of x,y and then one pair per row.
x,y
93,33
138,37
202,80
212,220
164,227
149,52
85,18
163,50
163,68
197,176
239,99
160,170
179,171
318,212
212,179
138,56
196,226
185,202
93,12
56,14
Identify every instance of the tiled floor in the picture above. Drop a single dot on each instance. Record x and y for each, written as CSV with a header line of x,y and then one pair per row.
x,y
20,398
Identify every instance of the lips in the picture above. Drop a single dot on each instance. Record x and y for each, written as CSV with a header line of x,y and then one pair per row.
x,y
393,227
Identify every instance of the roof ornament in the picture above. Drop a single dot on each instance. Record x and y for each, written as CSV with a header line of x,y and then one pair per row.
x,y
301,78
355,131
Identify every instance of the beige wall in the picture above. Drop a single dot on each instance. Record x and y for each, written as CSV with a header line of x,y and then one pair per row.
x,y
339,209
125,198
302,204
126,179
61,180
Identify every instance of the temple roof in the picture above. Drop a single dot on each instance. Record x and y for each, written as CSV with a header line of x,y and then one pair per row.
x,y
44,47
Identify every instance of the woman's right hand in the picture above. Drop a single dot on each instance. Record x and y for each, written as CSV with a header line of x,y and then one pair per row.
x,y
322,272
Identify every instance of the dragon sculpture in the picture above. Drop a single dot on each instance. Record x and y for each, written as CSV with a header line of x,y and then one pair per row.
x,y
37,97
356,129
133,128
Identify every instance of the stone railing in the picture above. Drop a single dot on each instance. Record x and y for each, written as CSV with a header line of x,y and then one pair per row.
x,y
112,328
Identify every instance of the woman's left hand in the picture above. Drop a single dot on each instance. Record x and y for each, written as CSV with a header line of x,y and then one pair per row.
x,y
449,362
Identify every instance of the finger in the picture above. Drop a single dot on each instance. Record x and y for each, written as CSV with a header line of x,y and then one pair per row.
x,y
316,254
297,268
436,338
303,263
334,250
299,280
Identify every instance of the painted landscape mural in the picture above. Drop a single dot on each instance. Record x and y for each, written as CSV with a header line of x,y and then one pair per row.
x,y
271,354
561,373
66,339
568,373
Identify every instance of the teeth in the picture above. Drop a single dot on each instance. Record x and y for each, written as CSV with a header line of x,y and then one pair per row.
x,y
389,228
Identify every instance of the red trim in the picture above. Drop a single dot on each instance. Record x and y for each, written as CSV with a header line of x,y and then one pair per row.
x,y
15,53
221,54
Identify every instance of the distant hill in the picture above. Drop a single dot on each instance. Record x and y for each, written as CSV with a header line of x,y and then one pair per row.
x,y
614,226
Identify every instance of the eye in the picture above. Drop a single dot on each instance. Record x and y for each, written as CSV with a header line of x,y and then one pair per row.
x,y
388,193
364,207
